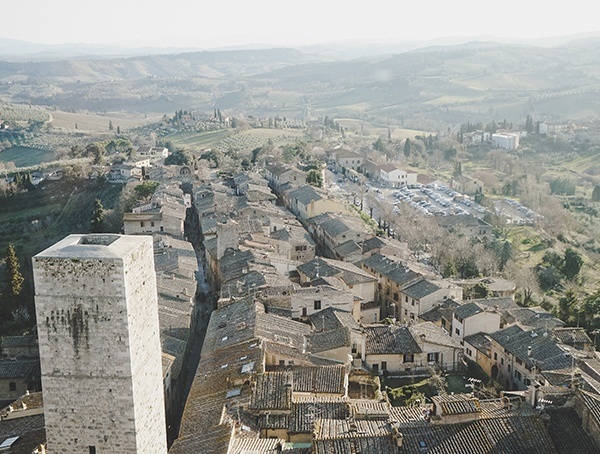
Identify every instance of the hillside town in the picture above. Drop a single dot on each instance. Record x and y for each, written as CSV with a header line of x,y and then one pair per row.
x,y
288,323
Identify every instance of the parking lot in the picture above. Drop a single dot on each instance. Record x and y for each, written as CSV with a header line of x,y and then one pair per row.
x,y
433,199
515,213
437,200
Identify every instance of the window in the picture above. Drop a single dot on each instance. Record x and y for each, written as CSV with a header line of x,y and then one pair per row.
x,y
469,352
408,358
395,297
151,223
375,367
518,375
406,299
509,368
317,305
354,348
162,229
12,386
457,331
384,365
432,357
502,361
141,225
304,312
92,450
282,362
495,356
527,382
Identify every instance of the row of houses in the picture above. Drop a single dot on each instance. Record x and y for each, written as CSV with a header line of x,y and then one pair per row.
x,y
388,174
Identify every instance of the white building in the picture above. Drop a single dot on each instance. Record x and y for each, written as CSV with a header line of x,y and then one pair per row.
x,y
395,177
98,330
506,140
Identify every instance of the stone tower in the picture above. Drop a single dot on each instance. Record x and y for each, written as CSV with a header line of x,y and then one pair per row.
x,y
97,320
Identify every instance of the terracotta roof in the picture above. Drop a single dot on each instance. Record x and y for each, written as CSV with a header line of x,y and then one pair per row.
x,y
333,318
431,333
323,379
545,353
351,428
379,445
420,289
328,340
455,404
19,369
273,391
566,431
572,336
256,446
514,435
29,429
481,341
468,310
306,412
383,340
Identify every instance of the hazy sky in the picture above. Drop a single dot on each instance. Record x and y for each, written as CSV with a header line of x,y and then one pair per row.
x,y
210,23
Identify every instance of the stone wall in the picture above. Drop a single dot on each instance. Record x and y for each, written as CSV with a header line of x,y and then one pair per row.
x,y
97,318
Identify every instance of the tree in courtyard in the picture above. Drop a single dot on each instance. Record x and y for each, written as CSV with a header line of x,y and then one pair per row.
x,y
98,217
479,291
146,189
314,177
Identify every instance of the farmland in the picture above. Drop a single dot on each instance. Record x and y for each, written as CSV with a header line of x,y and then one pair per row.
x,y
25,156
226,140
97,123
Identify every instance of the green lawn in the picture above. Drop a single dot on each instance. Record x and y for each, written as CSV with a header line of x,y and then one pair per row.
x,y
25,156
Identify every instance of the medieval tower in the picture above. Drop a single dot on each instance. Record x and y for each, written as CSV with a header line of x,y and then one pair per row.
x,y
97,321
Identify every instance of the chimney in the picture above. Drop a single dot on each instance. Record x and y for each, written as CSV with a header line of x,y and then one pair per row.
x,y
398,437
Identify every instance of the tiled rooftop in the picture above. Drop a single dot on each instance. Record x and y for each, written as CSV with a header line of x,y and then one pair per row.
x,y
382,340
455,404
433,334
273,391
322,379
514,435
306,412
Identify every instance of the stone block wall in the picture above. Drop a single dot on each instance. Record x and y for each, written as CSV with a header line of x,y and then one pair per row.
x,y
97,317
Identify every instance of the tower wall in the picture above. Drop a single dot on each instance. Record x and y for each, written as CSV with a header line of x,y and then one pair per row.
x,y
97,318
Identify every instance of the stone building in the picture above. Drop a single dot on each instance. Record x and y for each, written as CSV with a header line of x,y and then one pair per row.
x,y
98,329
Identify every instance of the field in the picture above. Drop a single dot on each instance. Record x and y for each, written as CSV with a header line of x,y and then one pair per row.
x,y
25,156
97,123
369,129
198,140
22,114
226,140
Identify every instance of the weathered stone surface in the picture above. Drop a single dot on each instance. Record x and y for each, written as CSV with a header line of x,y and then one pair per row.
x,y
97,317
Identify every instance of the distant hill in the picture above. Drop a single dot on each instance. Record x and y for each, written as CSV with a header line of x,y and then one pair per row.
x,y
192,64
429,87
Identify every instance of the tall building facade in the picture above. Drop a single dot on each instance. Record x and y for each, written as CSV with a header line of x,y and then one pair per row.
x,y
99,340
